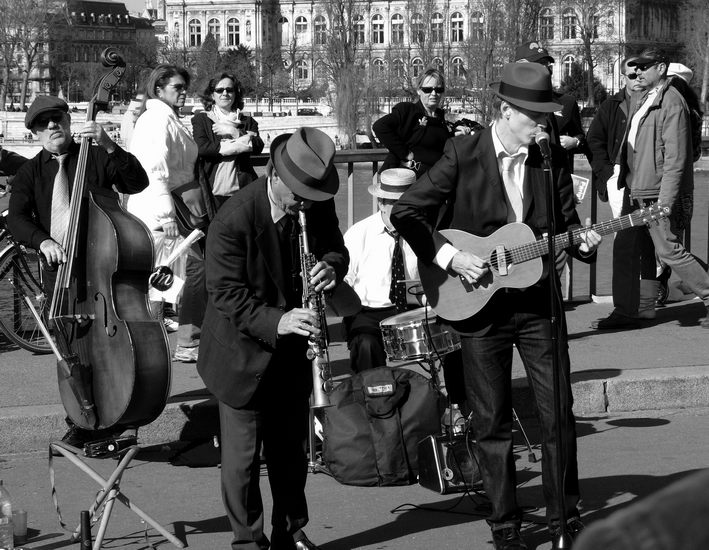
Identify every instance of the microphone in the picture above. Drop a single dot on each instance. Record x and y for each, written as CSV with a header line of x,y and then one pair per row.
x,y
542,139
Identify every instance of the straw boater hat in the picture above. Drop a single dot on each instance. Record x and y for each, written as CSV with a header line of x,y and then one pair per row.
x,y
392,183
304,161
680,70
526,85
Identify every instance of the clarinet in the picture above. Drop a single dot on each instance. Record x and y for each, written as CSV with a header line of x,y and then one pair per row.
x,y
317,345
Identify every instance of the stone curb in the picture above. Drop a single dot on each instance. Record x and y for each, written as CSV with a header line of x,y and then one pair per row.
x,y
29,429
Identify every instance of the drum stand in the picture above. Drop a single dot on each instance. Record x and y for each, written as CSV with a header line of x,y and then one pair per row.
x,y
109,492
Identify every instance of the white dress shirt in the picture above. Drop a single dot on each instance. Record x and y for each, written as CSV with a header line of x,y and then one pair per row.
x,y
371,249
518,170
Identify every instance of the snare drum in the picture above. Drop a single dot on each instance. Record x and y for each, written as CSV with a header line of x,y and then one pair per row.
x,y
416,334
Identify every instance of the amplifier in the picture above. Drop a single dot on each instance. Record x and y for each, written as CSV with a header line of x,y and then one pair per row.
x,y
445,466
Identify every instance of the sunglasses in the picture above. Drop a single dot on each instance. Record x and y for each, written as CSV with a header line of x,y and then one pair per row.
x,y
429,89
631,76
222,90
43,120
645,66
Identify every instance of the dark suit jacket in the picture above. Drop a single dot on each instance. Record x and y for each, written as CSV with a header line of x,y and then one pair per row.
x,y
246,288
467,181
10,162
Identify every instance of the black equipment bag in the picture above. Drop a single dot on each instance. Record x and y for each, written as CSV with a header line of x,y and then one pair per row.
x,y
371,431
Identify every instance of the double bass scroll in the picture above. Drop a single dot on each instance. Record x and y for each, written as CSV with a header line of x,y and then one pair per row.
x,y
115,358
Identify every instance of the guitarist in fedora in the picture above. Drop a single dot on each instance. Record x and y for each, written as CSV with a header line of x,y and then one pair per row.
x,y
487,181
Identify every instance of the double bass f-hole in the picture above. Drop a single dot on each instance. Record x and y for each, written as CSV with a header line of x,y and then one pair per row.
x,y
98,297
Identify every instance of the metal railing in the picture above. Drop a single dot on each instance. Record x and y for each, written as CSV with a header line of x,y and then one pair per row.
x,y
365,163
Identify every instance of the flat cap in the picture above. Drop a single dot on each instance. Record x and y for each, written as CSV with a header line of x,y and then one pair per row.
x,y
43,104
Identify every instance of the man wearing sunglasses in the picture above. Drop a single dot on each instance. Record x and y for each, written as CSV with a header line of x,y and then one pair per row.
x,y
35,211
656,166
605,137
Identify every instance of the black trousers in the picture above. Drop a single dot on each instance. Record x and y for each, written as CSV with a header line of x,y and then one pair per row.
x,y
277,418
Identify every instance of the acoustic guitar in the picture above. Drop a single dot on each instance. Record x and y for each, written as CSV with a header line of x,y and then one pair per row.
x,y
513,254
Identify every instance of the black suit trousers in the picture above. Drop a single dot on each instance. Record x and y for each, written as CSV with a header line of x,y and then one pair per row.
x,y
277,418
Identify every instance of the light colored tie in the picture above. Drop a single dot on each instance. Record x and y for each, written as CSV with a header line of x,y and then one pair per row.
x,y
60,203
514,195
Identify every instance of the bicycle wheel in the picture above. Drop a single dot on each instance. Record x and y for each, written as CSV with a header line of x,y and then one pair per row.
x,y
22,267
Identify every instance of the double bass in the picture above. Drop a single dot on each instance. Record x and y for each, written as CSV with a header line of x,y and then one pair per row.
x,y
114,357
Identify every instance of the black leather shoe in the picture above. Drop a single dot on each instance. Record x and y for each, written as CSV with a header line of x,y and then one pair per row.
x,y
616,321
508,538
305,544
574,526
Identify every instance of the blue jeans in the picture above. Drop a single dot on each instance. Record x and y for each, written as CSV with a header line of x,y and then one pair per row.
x,y
487,364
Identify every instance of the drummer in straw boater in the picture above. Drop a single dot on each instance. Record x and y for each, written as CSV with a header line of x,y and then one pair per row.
x,y
379,280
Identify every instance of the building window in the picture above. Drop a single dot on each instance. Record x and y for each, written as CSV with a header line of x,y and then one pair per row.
x,y
595,20
378,29
232,32
416,67
301,70
195,33
567,66
397,29
458,69
320,30
378,67
437,63
477,26
301,25
359,29
568,24
546,25
283,30
456,27
437,28
398,68
418,33
215,30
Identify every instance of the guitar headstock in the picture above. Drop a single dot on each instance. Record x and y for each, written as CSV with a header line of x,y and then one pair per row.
x,y
650,214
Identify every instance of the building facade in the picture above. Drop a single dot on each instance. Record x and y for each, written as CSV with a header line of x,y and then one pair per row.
x,y
403,37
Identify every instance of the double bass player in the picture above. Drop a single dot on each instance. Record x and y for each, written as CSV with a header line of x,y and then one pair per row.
x,y
39,203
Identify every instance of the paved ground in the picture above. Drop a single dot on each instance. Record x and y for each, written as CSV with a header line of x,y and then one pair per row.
x,y
622,457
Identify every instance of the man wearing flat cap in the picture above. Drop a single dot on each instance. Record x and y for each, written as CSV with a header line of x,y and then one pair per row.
x,y
565,124
485,182
39,204
255,332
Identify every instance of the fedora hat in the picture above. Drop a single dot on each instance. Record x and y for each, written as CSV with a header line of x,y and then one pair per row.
x,y
304,161
526,85
392,183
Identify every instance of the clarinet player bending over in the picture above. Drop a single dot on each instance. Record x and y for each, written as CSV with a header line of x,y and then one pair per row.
x,y
253,355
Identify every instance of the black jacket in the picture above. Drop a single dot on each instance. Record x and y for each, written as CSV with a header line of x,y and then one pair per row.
x,y
605,136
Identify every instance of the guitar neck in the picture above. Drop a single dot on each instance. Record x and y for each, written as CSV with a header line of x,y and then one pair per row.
x,y
538,248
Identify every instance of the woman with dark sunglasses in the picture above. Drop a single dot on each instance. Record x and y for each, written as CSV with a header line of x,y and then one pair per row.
x,y
226,137
415,133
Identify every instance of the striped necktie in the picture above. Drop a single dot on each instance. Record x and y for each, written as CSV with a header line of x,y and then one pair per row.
x,y
60,202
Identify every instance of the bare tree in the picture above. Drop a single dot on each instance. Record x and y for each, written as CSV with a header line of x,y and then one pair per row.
x,y
594,25
9,40
696,23
33,20
345,58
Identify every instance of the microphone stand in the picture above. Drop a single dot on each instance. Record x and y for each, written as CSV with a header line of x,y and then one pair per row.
x,y
563,539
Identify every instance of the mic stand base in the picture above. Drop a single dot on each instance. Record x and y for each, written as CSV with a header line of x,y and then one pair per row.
x,y
562,541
